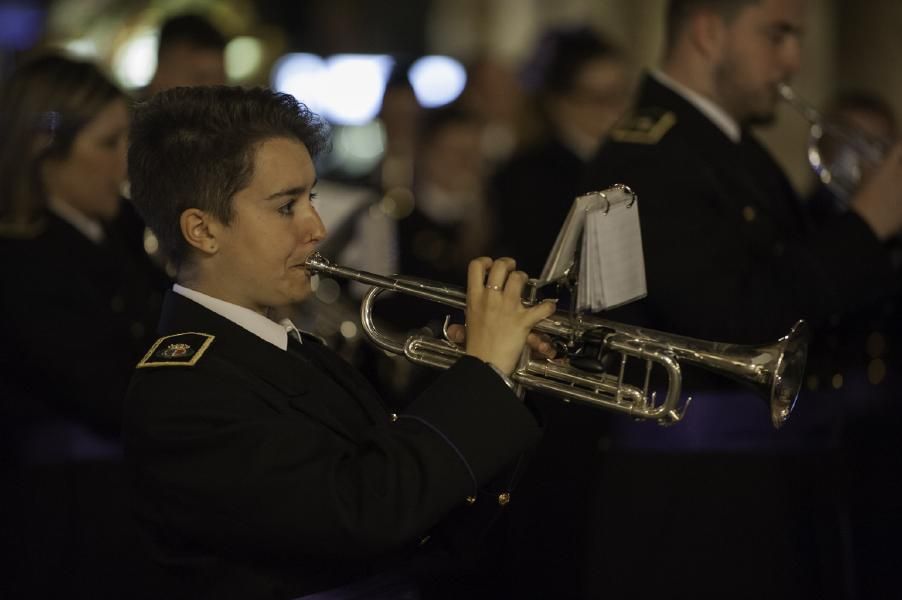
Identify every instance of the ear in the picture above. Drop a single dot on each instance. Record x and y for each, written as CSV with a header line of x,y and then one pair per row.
x,y
200,230
708,33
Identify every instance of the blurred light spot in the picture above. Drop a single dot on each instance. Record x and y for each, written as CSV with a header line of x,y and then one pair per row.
x,y
20,25
136,60
151,243
354,84
876,371
812,382
437,80
301,75
83,48
358,148
328,290
243,57
397,203
348,329
837,381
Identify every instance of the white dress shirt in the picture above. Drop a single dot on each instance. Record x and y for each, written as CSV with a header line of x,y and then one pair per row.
x,y
715,113
263,327
88,227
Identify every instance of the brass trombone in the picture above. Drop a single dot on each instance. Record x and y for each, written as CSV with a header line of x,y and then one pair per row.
x,y
775,370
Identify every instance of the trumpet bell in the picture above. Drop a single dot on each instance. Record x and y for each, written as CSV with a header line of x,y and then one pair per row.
x,y
792,353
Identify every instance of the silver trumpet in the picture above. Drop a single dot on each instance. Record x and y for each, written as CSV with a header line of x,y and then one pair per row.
x,y
838,154
775,370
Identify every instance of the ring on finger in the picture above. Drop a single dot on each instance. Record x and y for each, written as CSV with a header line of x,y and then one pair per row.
x,y
497,288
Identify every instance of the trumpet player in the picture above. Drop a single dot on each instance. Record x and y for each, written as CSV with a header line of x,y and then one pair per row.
x,y
730,256
265,467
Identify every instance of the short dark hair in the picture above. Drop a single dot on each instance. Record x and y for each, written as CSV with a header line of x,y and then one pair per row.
x,y
46,100
194,147
560,56
679,12
192,30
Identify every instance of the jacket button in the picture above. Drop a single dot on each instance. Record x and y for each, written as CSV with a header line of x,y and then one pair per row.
x,y
749,213
504,498
471,500
393,417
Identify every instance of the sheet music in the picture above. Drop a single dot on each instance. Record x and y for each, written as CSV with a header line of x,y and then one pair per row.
x,y
563,252
614,272
604,227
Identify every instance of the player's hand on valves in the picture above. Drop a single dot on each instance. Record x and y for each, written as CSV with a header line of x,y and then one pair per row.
x,y
879,201
498,323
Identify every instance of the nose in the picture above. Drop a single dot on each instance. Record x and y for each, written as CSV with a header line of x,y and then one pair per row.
x,y
317,228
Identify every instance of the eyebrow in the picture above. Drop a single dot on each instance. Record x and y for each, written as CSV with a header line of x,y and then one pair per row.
x,y
785,27
290,192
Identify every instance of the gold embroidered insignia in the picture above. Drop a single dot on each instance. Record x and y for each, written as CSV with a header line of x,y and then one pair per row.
x,y
181,349
645,127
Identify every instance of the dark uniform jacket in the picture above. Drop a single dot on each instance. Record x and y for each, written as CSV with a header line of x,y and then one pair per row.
x,y
729,256
75,316
266,473
531,195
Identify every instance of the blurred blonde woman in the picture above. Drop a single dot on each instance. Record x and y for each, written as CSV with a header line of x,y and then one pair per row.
x,y
77,307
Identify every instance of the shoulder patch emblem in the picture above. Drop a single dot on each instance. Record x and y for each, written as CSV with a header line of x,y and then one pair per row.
x,y
179,350
646,126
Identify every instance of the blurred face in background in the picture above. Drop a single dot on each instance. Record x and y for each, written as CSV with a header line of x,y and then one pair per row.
x,y
761,48
188,65
598,98
452,160
90,177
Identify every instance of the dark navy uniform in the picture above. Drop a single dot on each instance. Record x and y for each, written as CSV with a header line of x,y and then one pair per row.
x,y
75,316
264,473
531,195
721,503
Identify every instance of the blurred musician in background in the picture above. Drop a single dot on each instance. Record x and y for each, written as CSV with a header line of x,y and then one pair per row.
x,y
716,506
864,348
77,308
190,52
580,87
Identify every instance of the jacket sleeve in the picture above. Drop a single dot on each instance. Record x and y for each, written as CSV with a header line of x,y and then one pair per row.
x,y
215,464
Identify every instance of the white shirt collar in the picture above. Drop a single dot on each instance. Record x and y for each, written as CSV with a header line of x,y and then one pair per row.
x,y
88,227
263,327
715,113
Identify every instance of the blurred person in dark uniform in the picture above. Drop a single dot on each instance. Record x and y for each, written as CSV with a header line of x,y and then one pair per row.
x,y
721,504
450,221
76,310
580,88
265,466
190,52
862,350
